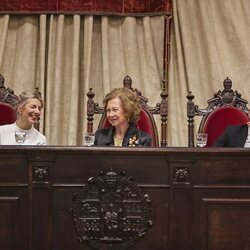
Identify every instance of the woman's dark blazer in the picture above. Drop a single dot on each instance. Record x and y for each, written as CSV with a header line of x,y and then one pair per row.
x,y
233,136
105,137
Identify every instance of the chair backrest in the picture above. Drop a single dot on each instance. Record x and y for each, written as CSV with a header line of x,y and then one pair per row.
x,y
8,100
7,95
146,121
7,114
225,108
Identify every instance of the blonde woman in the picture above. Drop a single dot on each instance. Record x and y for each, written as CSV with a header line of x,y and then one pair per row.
x,y
122,107
23,131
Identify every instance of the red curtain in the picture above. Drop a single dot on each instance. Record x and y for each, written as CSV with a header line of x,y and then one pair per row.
x,y
85,6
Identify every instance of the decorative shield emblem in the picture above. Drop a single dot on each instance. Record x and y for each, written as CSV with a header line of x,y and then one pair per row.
x,y
111,210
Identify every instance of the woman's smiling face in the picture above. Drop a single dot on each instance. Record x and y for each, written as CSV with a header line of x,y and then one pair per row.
x,y
30,111
115,113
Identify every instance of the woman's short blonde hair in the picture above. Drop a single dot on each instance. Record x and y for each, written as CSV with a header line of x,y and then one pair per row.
x,y
130,101
27,95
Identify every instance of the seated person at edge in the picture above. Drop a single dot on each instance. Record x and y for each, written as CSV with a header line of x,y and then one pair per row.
x,y
22,131
122,107
235,136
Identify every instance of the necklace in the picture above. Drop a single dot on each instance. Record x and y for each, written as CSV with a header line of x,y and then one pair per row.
x,y
118,142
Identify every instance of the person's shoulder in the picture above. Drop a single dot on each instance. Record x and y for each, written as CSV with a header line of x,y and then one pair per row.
x,y
134,130
236,127
103,131
39,134
6,127
145,138
143,133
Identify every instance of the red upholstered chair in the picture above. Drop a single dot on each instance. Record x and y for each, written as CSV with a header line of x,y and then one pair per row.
x,y
225,108
146,121
7,114
7,102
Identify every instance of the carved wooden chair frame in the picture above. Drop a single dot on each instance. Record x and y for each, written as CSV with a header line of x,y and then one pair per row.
x,y
226,97
8,96
160,108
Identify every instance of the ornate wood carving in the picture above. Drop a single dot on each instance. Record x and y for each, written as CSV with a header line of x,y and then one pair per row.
x,y
181,174
7,95
225,97
111,211
40,173
159,109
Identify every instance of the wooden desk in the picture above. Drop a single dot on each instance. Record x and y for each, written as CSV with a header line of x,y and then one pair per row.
x,y
200,198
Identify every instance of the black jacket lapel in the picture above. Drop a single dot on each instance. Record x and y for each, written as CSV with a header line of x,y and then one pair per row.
x,y
131,131
242,135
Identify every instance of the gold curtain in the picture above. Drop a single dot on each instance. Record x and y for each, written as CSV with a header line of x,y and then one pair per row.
x,y
210,41
64,55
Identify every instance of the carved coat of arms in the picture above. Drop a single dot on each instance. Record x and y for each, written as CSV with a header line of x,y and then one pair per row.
x,y
111,210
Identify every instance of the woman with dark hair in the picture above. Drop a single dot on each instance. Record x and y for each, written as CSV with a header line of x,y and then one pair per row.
x,y
122,107
22,131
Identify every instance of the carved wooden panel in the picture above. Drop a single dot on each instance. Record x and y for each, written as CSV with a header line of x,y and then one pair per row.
x,y
225,223
222,172
200,199
181,174
8,222
111,211
6,94
10,165
40,173
225,97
